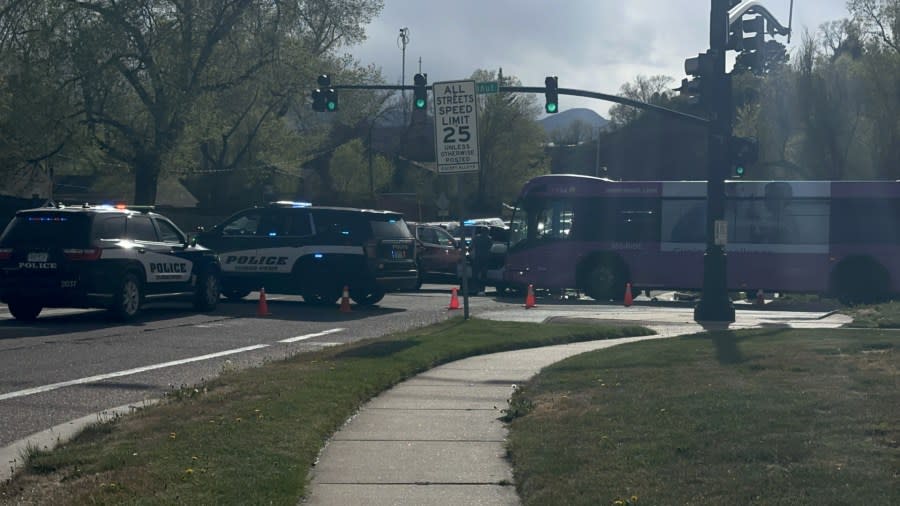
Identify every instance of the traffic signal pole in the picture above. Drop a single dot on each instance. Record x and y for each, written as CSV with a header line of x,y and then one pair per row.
x,y
714,304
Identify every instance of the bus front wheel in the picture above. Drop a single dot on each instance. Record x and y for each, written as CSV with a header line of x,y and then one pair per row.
x,y
860,280
606,280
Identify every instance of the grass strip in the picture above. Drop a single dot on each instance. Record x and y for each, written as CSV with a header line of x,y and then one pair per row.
x,y
772,416
251,437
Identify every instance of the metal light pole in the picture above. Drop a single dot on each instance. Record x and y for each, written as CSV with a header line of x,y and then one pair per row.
x,y
402,41
714,304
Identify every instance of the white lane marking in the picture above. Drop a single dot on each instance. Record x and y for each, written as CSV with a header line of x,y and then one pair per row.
x,y
310,336
101,377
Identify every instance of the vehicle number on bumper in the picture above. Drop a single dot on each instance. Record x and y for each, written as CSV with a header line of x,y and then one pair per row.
x,y
37,257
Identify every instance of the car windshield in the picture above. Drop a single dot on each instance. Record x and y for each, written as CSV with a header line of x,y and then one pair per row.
x,y
47,229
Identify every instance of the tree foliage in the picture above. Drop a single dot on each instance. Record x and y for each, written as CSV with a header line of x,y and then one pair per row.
x,y
832,113
511,143
652,90
150,80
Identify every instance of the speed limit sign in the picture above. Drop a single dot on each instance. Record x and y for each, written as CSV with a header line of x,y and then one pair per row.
x,y
455,126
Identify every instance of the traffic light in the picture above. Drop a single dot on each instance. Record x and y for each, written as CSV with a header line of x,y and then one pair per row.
x,y
552,93
752,49
697,89
324,97
420,94
742,151
331,100
318,100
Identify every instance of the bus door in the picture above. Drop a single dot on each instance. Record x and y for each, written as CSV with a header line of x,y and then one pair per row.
x,y
632,231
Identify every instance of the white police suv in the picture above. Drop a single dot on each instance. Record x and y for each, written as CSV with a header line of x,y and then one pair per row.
x,y
314,251
100,256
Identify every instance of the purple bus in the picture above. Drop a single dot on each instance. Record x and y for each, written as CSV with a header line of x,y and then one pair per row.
x,y
838,238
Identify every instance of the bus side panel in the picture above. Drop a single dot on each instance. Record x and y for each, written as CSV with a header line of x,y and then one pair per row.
x,y
539,265
795,272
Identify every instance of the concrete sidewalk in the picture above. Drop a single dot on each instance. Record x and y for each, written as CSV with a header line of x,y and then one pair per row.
x,y
436,439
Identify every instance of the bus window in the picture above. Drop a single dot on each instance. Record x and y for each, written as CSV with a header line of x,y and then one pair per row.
x,y
540,219
554,220
788,221
684,220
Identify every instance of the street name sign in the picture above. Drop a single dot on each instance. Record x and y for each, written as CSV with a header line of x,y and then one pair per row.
x,y
455,127
487,87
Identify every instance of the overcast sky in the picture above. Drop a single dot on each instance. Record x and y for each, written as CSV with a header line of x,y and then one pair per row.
x,y
594,45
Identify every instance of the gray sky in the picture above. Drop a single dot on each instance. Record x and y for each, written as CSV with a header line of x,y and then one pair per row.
x,y
594,45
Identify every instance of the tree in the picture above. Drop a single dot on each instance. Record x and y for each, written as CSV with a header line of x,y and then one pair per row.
x,y
138,69
651,90
511,141
879,20
575,133
348,167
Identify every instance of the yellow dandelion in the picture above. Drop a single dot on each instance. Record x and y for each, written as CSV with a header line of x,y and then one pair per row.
x,y
172,435
634,499
195,458
189,471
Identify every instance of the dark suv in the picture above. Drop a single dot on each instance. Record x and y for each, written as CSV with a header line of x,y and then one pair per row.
x,y
293,247
100,256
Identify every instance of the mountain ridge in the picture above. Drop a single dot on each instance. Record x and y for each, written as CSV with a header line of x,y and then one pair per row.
x,y
562,120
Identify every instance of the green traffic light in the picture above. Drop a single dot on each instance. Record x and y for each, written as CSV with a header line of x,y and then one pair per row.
x,y
331,106
739,171
420,103
551,107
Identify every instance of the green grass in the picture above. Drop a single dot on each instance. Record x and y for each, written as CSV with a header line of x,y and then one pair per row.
x,y
774,416
250,437
876,316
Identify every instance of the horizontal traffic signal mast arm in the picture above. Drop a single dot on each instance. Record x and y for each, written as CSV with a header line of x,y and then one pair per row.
x,y
540,90
610,98
375,87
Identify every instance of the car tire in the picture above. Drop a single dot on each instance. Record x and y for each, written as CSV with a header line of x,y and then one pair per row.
x,y
860,280
207,293
26,310
128,298
368,296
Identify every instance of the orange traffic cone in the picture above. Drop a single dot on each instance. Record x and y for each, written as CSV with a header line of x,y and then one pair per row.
x,y
760,298
629,300
345,300
529,299
454,299
262,309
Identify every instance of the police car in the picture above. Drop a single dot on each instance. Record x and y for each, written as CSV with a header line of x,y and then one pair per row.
x,y
100,256
314,251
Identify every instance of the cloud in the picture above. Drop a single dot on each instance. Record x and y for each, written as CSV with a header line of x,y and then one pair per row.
x,y
590,44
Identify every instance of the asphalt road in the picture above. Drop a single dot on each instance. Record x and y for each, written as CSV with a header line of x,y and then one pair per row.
x,y
73,363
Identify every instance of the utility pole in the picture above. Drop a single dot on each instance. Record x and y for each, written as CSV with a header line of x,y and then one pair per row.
x,y
714,304
402,41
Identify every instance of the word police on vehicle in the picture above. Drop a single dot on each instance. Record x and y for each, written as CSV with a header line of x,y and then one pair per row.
x,y
298,248
101,256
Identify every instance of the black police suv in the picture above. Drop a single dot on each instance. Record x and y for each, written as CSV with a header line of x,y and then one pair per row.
x,y
313,251
100,256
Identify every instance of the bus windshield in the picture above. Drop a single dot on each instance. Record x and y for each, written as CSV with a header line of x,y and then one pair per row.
x,y
541,219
